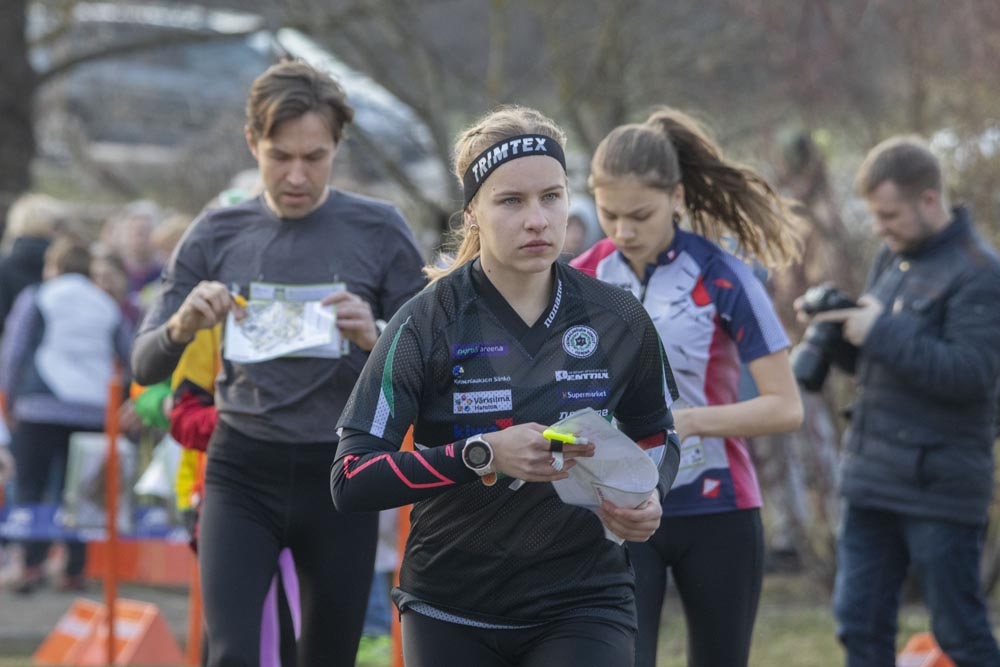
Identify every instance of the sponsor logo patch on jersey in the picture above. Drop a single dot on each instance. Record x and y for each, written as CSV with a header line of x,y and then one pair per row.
x,y
576,376
472,402
494,379
458,372
469,350
587,395
566,413
580,341
468,430
710,487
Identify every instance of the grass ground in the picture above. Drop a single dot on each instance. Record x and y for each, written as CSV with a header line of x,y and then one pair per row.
x,y
794,628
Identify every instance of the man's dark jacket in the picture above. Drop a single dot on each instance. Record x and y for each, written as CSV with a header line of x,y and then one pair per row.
x,y
20,268
921,435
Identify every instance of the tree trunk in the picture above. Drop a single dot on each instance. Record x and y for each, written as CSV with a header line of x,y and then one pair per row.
x,y
17,91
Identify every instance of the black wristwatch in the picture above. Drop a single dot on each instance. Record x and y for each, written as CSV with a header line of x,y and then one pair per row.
x,y
477,455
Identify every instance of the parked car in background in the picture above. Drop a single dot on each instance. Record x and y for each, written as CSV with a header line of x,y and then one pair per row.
x,y
162,114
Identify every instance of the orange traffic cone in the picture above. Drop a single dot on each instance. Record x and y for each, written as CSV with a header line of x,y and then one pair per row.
x,y
922,651
80,637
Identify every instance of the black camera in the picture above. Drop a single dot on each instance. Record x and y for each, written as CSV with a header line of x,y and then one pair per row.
x,y
812,356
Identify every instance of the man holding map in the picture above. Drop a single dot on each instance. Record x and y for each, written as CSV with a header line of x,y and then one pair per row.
x,y
300,276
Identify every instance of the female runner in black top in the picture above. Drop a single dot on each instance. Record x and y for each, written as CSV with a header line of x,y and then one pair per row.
x,y
504,342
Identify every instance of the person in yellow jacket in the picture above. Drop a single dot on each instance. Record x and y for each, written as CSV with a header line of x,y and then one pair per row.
x,y
193,417
184,405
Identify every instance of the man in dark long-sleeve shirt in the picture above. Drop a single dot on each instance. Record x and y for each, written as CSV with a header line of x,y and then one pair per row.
x,y
266,481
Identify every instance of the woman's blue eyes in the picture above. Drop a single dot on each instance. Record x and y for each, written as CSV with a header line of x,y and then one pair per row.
x,y
548,196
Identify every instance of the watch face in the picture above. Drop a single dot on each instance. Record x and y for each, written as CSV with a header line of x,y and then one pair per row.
x,y
476,454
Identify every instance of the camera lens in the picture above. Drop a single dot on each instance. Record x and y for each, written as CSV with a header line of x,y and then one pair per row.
x,y
811,358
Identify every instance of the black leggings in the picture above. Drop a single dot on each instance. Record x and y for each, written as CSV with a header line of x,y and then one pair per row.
x,y
717,564
259,498
428,642
40,451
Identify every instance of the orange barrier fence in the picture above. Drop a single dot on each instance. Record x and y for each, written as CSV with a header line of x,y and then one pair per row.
x,y
119,632
194,618
111,427
153,562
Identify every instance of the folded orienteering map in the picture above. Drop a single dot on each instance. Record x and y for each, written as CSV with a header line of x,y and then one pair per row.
x,y
620,471
284,320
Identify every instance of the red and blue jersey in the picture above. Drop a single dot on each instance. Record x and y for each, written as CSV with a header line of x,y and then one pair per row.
x,y
712,314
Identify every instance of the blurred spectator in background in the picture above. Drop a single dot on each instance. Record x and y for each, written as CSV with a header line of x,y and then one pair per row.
x,y
163,240
130,235
168,234
144,409
797,470
829,251
582,228
108,272
55,365
575,231
31,222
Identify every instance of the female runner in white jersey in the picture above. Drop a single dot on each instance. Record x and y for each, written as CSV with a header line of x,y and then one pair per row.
x,y
712,315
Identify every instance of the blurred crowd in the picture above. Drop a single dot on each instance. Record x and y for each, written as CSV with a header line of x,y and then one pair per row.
x,y
85,287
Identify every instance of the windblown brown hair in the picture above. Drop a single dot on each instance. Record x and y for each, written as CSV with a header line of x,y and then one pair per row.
x,y
671,148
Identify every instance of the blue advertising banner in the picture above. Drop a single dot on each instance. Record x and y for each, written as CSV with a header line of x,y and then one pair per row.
x,y
49,522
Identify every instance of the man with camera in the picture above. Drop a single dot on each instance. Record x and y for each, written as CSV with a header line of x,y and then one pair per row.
x,y
917,475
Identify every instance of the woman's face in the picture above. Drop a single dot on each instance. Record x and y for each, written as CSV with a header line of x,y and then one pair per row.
x,y
639,218
107,276
521,211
